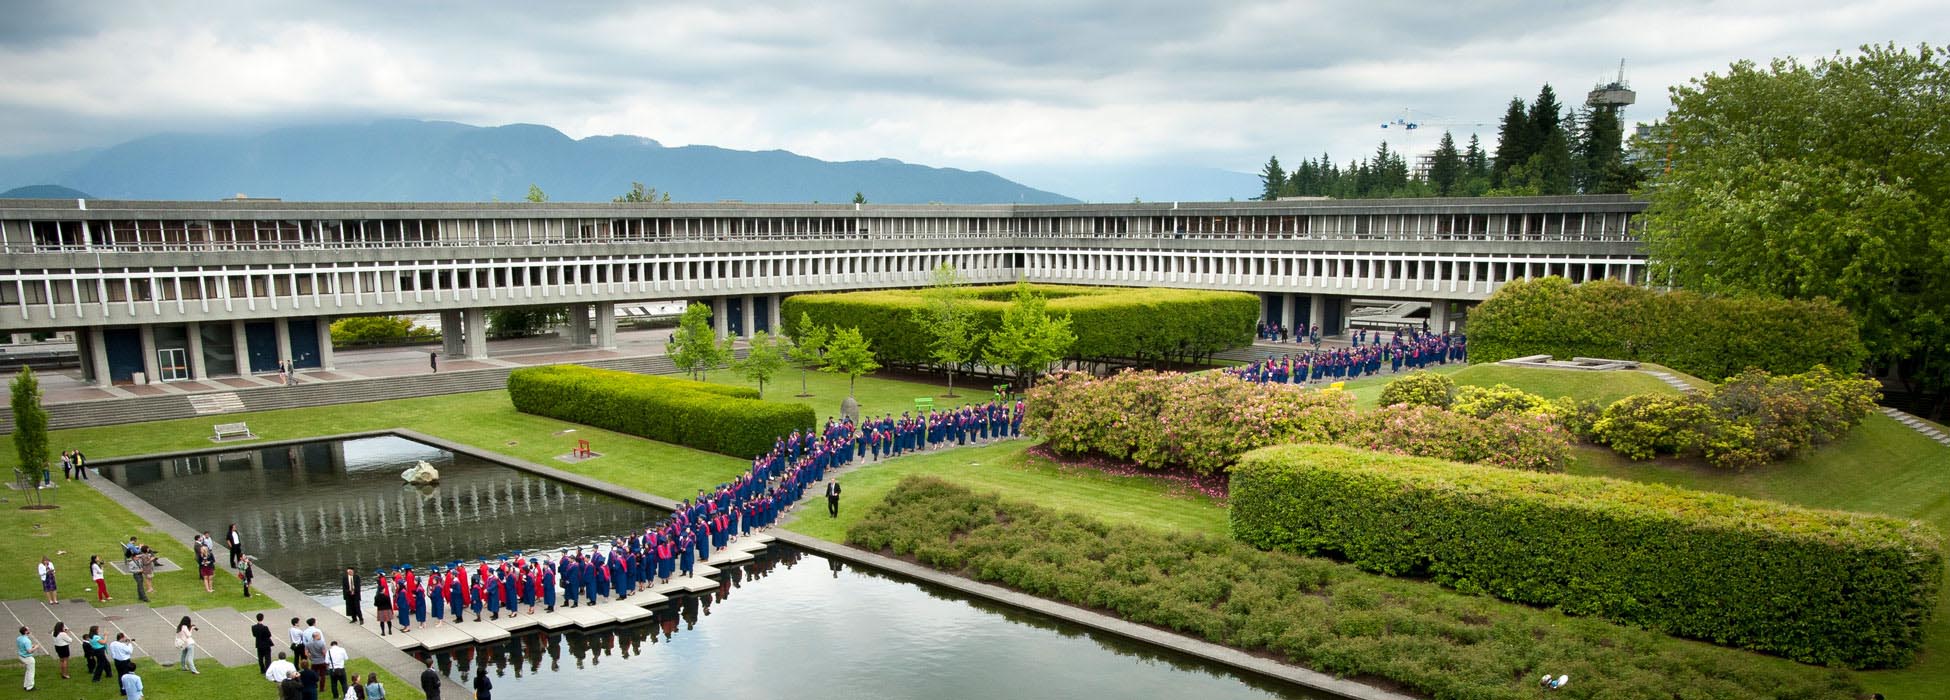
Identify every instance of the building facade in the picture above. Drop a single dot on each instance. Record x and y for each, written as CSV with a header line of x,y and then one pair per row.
x,y
187,290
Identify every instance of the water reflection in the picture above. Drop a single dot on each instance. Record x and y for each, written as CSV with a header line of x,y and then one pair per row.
x,y
812,626
308,511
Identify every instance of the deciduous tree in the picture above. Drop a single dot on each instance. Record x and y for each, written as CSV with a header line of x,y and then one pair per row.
x,y
851,354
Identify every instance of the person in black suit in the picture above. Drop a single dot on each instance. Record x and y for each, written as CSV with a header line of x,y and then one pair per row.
x,y
430,681
349,587
483,688
262,636
833,498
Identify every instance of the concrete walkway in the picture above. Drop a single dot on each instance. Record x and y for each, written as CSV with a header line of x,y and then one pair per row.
x,y
1671,380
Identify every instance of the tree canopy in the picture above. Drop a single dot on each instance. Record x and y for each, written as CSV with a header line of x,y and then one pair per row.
x,y
849,353
764,358
1822,180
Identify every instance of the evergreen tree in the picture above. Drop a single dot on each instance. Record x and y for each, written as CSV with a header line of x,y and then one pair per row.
x,y
1476,169
1551,169
536,195
1512,142
1601,152
1272,180
1445,169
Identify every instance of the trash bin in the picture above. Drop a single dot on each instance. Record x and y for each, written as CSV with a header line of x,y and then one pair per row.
x,y
141,378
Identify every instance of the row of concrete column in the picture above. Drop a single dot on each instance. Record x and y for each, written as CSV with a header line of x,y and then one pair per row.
x,y
95,349
748,318
1317,314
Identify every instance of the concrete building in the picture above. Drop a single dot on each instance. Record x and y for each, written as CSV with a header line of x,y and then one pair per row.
x,y
188,290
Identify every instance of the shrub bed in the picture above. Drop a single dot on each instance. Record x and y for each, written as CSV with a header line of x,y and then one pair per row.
x,y
1711,337
712,417
1815,586
1203,422
1111,323
1749,420
1325,616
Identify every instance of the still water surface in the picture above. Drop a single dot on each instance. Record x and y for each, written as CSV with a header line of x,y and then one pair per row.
x,y
791,624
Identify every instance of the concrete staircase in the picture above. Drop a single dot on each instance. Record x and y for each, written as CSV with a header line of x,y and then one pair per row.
x,y
1918,425
83,414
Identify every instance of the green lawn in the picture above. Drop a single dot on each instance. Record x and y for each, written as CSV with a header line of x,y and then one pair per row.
x,y
1009,469
1603,387
86,523
1883,467
876,396
212,683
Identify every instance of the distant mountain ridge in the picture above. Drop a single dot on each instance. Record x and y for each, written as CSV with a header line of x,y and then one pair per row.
x,y
44,192
411,160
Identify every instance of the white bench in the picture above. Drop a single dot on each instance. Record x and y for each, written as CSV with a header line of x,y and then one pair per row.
x,y
226,431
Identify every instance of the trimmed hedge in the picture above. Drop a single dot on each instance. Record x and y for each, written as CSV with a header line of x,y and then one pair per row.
x,y
1816,586
1111,323
1705,336
1328,617
712,417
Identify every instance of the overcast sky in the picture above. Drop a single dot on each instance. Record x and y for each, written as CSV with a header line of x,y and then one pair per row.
x,y
997,85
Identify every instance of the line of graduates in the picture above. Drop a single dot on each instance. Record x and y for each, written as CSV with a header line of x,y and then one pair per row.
x,y
673,547
1411,349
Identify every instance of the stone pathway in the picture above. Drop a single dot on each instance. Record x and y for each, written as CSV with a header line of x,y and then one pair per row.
x,y
1918,425
1671,380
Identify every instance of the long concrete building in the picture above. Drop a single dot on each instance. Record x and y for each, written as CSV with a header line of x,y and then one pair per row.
x,y
189,290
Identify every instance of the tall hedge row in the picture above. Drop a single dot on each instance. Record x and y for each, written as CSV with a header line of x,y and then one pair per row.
x,y
1706,336
1816,586
712,417
1110,323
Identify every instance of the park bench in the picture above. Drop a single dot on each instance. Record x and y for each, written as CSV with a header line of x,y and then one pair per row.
x,y
226,431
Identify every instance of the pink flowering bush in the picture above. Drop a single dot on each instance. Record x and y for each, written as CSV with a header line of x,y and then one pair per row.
x,y
1200,422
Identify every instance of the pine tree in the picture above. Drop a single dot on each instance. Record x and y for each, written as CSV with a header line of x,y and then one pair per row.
x,y
1512,142
1445,170
1546,116
1601,154
1272,180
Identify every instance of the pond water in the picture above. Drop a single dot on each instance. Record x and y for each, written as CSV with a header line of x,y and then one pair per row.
x,y
790,624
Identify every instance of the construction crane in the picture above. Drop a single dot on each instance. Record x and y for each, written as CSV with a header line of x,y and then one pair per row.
x,y
1410,120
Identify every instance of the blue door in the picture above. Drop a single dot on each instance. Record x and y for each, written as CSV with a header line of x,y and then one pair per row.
x,y
734,309
304,342
124,347
262,337
762,315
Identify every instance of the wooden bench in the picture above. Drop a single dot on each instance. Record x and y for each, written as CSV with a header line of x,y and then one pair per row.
x,y
226,431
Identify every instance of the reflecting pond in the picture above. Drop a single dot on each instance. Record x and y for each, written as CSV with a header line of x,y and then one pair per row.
x,y
790,624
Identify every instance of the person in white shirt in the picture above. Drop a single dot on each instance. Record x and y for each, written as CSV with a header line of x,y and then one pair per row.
x,y
46,574
298,638
335,659
279,669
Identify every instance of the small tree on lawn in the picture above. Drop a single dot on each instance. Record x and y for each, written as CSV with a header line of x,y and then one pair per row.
x,y
806,350
30,433
851,354
950,323
1030,339
694,346
766,358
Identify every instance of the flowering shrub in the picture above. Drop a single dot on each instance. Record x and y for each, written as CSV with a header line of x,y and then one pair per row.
x,y
1752,419
1531,442
1420,388
1200,422
1483,402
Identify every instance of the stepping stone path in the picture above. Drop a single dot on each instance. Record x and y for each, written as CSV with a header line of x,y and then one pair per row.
x,y
1671,380
1918,425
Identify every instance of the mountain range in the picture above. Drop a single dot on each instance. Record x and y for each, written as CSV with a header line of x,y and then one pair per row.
x,y
412,160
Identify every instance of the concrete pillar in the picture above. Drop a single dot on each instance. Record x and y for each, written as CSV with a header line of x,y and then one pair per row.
x,y
450,334
325,344
606,325
745,323
1317,312
578,325
240,345
98,357
1439,315
1290,314
282,329
1347,306
778,323
194,331
720,318
475,333
149,365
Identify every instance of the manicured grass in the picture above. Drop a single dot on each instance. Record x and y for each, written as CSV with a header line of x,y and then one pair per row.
x,y
212,683
1009,469
89,523
1882,467
877,396
1602,387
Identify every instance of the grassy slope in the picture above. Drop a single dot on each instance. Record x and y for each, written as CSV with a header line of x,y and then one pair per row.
x,y
88,523
214,683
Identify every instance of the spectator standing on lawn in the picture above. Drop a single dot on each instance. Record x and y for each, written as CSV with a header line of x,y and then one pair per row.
x,y
46,574
26,646
101,578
